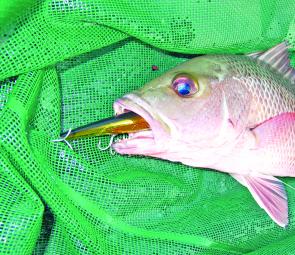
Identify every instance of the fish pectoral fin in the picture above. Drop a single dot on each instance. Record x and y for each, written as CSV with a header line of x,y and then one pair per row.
x,y
269,193
275,131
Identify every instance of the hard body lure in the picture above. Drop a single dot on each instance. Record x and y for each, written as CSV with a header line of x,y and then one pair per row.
x,y
231,113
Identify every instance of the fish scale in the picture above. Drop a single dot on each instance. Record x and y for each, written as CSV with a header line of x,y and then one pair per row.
x,y
273,93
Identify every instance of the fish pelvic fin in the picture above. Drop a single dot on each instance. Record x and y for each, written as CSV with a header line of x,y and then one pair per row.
x,y
277,58
269,193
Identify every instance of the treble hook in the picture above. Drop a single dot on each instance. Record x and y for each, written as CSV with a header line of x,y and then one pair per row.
x,y
109,145
112,152
63,139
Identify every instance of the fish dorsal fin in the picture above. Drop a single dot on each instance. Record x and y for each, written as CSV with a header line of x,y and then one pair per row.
x,y
278,58
255,55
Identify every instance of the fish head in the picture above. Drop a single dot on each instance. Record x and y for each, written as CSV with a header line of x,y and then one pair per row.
x,y
186,111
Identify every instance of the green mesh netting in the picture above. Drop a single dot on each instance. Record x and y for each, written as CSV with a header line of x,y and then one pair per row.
x,y
62,64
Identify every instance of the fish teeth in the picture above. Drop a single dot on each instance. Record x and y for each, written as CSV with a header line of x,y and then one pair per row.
x,y
119,109
121,138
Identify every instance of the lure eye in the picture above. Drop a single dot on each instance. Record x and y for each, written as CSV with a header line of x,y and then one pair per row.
x,y
184,86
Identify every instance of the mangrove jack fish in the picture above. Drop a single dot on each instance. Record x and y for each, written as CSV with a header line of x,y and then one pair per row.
x,y
231,113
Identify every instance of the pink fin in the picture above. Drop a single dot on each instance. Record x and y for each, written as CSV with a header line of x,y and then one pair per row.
x,y
269,193
275,130
278,58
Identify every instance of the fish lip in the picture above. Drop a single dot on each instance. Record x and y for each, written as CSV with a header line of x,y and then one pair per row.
x,y
134,103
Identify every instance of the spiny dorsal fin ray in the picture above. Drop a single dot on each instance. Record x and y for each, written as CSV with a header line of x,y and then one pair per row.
x,y
255,55
278,58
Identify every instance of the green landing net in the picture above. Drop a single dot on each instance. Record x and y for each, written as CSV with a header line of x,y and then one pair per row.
x,y
62,64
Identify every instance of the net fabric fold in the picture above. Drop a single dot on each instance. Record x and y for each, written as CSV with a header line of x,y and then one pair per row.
x,y
63,63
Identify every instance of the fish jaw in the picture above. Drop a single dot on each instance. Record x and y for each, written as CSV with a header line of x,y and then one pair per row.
x,y
148,142
160,140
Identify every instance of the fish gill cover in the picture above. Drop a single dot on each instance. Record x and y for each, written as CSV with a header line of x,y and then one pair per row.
x,y
62,65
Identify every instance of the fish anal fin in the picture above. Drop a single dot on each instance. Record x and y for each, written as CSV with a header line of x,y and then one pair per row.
x,y
269,193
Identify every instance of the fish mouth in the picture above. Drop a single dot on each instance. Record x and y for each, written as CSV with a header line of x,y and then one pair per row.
x,y
146,142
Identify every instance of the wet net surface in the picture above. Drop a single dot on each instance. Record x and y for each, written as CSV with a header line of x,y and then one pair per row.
x,y
63,63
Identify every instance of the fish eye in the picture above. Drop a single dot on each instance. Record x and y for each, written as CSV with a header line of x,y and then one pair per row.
x,y
184,85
